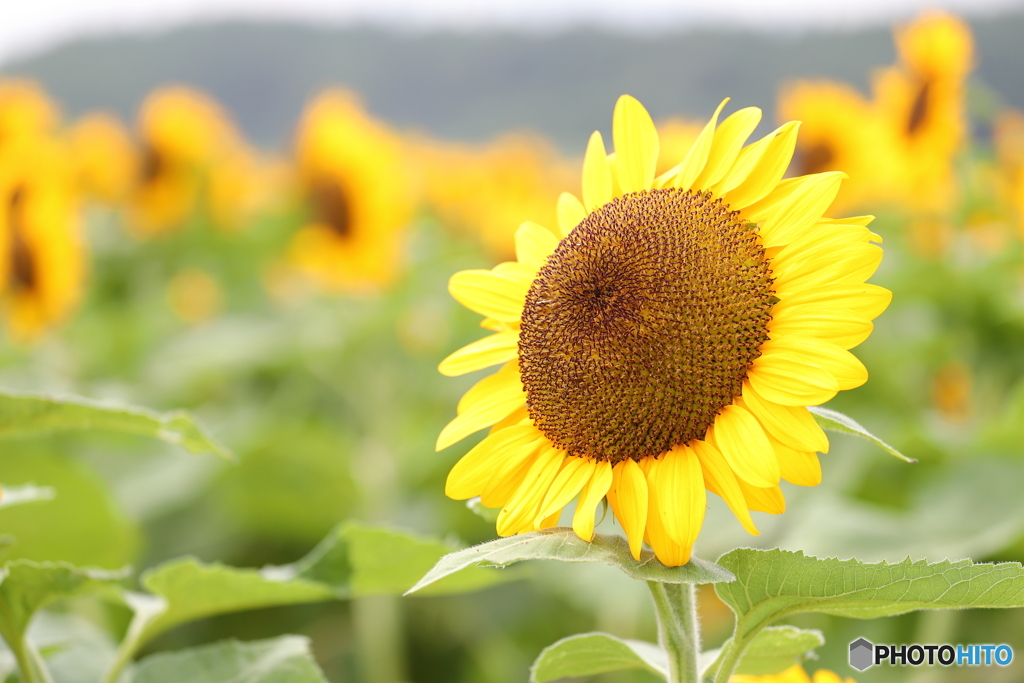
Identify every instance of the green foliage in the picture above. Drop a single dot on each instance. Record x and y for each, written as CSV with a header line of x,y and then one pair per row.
x,y
773,649
279,660
26,587
564,545
81,525
25,415
835,421
587,654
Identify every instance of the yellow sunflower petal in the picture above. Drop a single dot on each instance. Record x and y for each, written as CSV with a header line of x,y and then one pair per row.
x,y
498,348
792,425
766,168
473,471
681,497
798,467
849,372
668,551
597,175
496,296
726,146
636,145
519,512
592,494
786,376
741,439
534,243
574,474
508,475
721,480
570,212
488,401
691,166
842,328
848,264
551,521
867,301
852,220
628,498
800,210
768,499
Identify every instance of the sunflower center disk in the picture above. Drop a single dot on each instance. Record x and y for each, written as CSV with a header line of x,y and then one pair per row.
x,y
641,326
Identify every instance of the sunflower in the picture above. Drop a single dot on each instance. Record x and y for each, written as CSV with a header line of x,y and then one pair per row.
x,y
351,173
105,157
666,340
183,131
794,674
922,101
840,130
42,262
26,111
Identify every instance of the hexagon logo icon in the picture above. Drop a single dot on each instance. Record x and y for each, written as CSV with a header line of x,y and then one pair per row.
x,y
862,654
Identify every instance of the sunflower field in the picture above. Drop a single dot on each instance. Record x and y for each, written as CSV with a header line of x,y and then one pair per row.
x,y
279,416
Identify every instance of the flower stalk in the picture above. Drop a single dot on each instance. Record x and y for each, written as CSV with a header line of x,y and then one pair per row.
x,y
675,607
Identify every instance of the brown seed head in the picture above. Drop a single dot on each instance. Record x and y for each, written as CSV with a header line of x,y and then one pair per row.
x,y
642,324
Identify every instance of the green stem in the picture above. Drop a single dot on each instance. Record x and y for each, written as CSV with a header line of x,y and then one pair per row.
x,y
728,660
30,663
676,609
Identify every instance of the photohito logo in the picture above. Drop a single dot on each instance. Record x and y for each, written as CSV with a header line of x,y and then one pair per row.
x,y
863,654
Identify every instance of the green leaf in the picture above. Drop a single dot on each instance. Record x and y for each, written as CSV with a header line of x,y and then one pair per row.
x,y
563,544
27,586
189,590
356,560
773,650
29,493
771,584
286,659
837,422
587,654
24,415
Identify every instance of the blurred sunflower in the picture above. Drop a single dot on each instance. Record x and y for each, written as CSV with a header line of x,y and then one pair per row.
x,y
668,339
183,131
794,674
1008,134
840,131
42,263
351,173
922,102
489,189
26,111
105,157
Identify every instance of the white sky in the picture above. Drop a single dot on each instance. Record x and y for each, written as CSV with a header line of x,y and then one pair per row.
x,y
28,26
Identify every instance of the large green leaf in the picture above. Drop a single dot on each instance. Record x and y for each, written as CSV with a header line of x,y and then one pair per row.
x,y
24,415
587,654
563,544
771,584
356,560
27,586
773,650
279,660
835,421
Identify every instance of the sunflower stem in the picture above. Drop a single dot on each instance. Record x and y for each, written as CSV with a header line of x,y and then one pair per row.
x,y
675,605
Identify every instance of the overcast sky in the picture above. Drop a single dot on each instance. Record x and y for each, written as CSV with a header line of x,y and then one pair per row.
x,y
29,26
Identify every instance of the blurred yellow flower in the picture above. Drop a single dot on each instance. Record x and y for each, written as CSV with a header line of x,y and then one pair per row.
x,y
42,264
617,382
794,674
194,296
1008,137
26,111
351,172
489,189
922,102
105,157
183,132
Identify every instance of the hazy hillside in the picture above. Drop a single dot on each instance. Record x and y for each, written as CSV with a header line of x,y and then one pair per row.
x,y
472,86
